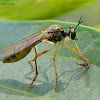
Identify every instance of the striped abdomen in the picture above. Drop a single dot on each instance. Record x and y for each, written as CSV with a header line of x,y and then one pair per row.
x,y
18,56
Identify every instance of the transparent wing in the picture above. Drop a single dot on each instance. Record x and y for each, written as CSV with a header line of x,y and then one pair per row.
x,y
24,44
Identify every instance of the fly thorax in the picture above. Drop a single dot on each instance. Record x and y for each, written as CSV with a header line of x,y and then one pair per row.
x,y
58,33
57,36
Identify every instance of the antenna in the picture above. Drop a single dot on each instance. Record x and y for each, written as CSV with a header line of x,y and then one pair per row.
x,y
79,22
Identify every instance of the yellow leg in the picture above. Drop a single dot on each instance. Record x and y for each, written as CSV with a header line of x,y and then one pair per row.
x,y
55,54
35,69
80,52
45,41
67,39
74,51
36,56
41,54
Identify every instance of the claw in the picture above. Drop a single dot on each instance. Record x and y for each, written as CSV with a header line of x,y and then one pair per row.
x,y
28,88
85,64
55,88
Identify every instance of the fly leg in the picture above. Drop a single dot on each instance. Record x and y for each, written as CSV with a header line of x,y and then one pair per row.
x,y
85,64
54,44
73,50
46,41
35,69
54,57
78,51
67,39
37,55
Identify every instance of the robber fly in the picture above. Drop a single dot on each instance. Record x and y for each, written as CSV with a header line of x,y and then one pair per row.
x,y
52,35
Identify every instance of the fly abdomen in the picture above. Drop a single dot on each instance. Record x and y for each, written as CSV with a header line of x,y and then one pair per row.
x,y
18,56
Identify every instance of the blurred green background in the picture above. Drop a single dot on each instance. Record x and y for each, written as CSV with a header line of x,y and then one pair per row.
x,y
63,10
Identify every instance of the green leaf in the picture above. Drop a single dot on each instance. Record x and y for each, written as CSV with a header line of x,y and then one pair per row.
x,y
38,9
97,27
16,77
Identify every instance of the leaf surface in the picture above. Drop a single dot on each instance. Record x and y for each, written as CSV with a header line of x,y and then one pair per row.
x,y
16,77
